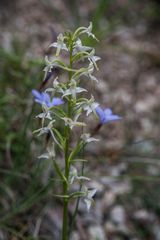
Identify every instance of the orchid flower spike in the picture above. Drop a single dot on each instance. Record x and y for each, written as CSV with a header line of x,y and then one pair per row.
x,y
44,98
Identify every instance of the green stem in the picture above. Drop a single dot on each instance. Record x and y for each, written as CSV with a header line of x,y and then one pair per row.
x,y
65,231
80,189
65,218
77,204
65,188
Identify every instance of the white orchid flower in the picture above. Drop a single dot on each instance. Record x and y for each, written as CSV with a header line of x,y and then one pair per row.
x,y
88,31
78,47
88,197
60,45
87,139
90,106
50,153
73,90
73,175
72,123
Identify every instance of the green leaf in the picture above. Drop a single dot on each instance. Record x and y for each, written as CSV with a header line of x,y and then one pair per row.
x,y
79,56
59,136
59,172
75,151
60,196
77,194
60,113
79,160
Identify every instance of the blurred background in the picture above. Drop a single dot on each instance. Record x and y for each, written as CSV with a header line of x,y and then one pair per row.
x,y
125,166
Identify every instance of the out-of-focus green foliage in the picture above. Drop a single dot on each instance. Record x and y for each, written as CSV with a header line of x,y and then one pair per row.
x,y
20,174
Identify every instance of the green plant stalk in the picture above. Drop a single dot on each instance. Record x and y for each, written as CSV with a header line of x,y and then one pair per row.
x,y
65,187
67,164
77,204
78,199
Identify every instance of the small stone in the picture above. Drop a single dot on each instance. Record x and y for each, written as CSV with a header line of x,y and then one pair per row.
x,y
3,236
118,170
110,227
121,187
153,170
118,187
75,236
108,199
123,229
144,215
156,231
118,215
96,233
107,181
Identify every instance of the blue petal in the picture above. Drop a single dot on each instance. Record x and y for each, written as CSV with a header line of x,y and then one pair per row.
x,y
112,118
109,116
106,115
47,99
107,111
44,98
38,101
101,114
36,94
41,98
57,101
